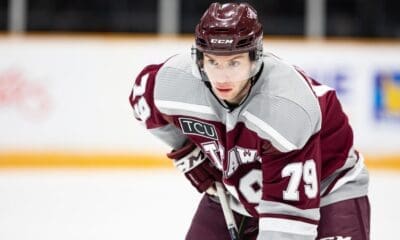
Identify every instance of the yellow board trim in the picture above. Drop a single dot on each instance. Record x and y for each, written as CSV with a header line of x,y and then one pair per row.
x,y
82,160
147,161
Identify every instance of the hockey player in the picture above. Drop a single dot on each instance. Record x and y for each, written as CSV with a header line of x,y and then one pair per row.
x,y
277,139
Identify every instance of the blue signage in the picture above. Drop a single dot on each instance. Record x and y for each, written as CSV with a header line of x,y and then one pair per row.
x,y
387,95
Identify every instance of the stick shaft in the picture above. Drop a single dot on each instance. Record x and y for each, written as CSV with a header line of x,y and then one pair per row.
x,y
229,219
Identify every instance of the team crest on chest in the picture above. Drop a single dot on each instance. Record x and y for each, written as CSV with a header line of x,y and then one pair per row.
x,y
236,156
196,127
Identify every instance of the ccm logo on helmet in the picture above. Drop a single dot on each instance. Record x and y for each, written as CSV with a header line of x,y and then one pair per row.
x,y
222,41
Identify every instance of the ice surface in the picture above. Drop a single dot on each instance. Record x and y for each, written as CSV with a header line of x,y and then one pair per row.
x,y
131,204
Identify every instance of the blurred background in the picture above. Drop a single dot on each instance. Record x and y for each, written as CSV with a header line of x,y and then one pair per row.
x,y
75,164
334,18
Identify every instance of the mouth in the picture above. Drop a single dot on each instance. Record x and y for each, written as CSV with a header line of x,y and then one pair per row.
x,y
223,89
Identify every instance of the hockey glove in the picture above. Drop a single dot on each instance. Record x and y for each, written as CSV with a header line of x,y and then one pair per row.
x,y
196,166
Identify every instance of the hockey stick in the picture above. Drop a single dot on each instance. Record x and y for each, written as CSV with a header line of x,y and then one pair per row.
x,y
229,219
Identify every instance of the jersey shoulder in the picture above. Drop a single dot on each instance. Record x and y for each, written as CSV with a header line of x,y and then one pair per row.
x,y
167,81
178,86
284,109
141,96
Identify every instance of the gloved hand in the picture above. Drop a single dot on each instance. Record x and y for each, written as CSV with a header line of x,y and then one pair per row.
x,y
196,166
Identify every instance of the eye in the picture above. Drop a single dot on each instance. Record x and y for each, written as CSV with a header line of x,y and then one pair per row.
x,y
234,63
212,62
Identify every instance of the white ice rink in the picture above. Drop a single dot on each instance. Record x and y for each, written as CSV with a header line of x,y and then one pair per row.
x,y
131,204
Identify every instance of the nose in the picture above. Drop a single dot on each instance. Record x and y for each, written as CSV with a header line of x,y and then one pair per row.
x,y
223,77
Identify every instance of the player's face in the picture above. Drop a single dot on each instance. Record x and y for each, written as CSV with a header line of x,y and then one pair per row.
x,y
229,75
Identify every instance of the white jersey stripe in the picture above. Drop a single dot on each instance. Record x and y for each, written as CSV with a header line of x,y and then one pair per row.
x,y
283,208
270,131
287,226
351,175
184,106
320,90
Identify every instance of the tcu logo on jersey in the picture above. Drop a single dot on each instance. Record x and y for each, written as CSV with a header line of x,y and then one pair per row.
x,y
222,41
195,127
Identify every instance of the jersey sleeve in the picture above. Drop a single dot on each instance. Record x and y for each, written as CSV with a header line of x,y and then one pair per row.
x,y
146,112
289,208
290,165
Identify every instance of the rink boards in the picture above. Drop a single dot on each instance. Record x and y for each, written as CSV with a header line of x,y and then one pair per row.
x,y
64,100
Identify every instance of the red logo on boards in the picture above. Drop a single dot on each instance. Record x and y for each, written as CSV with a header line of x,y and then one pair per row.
x,y
17,91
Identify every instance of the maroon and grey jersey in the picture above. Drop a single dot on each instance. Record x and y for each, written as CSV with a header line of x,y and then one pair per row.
x,y
285,151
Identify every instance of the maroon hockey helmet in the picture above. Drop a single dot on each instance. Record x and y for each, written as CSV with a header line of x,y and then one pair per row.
x,y
229,28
